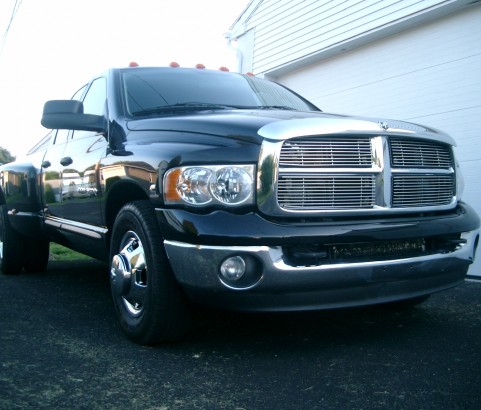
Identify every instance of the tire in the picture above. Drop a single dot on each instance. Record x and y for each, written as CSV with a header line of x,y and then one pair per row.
x,y
36,255
149,303
11,246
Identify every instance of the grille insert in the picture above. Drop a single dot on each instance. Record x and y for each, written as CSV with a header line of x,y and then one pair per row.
x,y
420,154
422,190
327,152
326,192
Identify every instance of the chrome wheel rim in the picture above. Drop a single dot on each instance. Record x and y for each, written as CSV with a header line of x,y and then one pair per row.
x,y
128,274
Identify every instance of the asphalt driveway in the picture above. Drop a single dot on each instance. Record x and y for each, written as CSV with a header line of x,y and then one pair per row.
x,y
60,347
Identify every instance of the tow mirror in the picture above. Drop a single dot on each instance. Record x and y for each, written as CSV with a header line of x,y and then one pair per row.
x,y
69,115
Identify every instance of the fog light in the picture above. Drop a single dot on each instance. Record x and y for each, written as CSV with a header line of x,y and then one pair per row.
x,y
233,268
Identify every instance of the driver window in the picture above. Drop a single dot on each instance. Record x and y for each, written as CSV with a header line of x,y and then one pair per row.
x,y
94,101
61,137
79,93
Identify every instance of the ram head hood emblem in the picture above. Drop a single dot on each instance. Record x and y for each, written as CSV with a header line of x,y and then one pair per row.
x,y
384,125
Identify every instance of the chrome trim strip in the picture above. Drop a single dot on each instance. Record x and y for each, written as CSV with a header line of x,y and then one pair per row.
x,y
422,171
14,212
91,231
329,171
249,249
285,129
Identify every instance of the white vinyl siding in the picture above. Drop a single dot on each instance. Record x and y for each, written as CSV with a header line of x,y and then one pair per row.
x,y
288,30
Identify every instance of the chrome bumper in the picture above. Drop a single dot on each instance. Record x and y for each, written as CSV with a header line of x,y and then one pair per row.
x,y
276,285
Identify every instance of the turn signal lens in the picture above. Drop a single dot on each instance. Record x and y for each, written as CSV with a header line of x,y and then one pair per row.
x,y
198,186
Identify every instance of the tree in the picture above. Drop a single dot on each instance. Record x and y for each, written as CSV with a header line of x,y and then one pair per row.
x,y
5,156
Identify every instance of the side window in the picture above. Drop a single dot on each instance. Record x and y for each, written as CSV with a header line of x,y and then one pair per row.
x,y
94,101
79,93
61,137
43,144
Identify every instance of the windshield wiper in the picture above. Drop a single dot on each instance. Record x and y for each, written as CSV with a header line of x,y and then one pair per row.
x,y
274,107
191,106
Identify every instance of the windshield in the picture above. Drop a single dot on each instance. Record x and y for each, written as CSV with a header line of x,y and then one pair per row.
x,y
165,90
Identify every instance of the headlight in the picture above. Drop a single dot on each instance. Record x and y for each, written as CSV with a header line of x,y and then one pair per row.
x,y
229,185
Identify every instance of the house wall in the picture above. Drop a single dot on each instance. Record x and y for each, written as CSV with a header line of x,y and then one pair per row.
x,y
291,31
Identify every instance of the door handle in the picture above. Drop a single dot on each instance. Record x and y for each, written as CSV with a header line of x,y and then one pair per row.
x,y
66,161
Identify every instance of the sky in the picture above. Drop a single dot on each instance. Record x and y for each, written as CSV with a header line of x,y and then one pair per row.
x,y
53,47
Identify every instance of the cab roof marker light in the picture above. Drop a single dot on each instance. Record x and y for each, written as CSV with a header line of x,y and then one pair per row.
x,y
200,66
223,69
250,74
174,64
133,64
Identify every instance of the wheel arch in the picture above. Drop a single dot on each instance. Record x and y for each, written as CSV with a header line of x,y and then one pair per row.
x,y
120,193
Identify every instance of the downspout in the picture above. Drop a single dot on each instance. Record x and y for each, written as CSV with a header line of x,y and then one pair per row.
x,y
239,56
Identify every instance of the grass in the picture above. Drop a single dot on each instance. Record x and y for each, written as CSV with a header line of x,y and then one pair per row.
x,y
61,253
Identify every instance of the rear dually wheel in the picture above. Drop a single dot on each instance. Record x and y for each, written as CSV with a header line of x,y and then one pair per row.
x,y
11,246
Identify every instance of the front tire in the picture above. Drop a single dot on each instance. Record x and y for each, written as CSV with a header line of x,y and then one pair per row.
x,y
149,303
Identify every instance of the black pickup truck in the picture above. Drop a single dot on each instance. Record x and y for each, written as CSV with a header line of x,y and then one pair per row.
x,y
201,186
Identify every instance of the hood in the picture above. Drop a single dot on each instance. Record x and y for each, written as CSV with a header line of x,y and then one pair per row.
x,y
244,124
255,125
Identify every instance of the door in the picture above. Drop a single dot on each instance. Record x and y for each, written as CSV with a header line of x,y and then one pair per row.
x,y
73,172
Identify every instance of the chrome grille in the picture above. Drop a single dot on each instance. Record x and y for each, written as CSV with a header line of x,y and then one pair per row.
x,y
356,173
420,154
422,190
321,192
326,152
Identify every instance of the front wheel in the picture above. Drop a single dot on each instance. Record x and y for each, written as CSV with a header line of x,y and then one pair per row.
x,y
148,301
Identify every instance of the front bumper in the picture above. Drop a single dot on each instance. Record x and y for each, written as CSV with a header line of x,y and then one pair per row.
x,y
283,287
273,283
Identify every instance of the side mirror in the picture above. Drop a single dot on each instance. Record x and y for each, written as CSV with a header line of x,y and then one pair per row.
x,y
69,115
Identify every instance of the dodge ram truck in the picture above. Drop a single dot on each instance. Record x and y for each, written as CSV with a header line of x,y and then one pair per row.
x,y
198,186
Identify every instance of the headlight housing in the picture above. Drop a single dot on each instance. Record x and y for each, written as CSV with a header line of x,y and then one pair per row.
x,y
227,185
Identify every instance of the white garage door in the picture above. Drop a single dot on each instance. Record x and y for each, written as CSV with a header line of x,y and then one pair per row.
x,y
430,75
